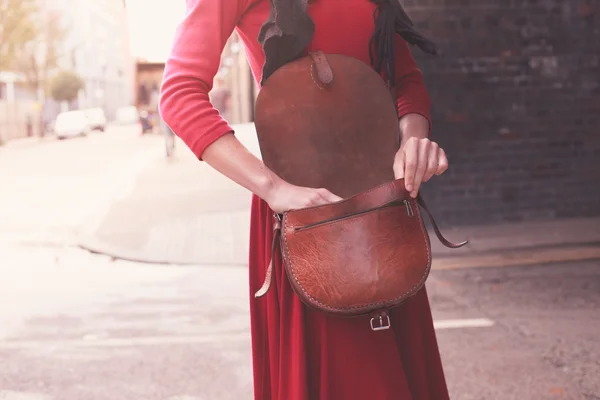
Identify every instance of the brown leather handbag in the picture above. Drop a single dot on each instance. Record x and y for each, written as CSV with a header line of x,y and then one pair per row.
x,y
330,121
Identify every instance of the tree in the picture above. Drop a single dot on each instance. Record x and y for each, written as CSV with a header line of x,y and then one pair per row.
x,y
17,29
65,86
40,56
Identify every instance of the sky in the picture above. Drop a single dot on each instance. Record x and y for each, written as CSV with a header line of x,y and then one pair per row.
x,y
152,24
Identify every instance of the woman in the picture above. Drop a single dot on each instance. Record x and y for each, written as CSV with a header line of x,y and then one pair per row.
x,y
300,354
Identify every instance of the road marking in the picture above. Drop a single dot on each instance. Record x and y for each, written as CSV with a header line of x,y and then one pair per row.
x,y
91,341
11,395
463,323
184,398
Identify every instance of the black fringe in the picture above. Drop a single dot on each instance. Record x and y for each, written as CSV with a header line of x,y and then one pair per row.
x,y
391,19
289,29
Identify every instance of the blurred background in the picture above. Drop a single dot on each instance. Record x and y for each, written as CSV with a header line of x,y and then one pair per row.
x,y
123,260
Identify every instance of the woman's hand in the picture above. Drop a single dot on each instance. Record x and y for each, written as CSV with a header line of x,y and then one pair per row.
x,y
417,161
228,156
284,197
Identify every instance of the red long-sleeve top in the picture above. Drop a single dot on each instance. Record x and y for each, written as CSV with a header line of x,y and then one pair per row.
x,y
202,35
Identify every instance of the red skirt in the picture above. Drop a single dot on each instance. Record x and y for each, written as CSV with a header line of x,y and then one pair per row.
x,y
302,354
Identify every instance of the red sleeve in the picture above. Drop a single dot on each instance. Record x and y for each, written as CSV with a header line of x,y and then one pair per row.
x,y
411,93
191,68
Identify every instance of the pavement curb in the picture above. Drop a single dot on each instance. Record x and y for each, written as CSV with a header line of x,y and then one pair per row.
x,y
519,257
96,246
492,259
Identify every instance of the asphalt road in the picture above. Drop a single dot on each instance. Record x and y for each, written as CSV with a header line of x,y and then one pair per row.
x,y
545,341
80,326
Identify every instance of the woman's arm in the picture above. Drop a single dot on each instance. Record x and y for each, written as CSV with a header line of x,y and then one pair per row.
x,y
186,108
418,158
191,67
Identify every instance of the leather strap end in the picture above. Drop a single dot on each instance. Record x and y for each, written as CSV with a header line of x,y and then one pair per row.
x,y
267,283
269,275
436,229
449,244
322,67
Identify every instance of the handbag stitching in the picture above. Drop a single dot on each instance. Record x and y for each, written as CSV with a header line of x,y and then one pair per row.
x,y
312,76
370,305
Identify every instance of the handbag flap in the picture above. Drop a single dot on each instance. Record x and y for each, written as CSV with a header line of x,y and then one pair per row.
x,y
328,122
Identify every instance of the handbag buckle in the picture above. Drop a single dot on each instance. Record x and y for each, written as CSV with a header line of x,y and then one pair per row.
x,y
380,322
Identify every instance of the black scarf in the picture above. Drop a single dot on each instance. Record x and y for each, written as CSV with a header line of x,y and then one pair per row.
x,y
289,30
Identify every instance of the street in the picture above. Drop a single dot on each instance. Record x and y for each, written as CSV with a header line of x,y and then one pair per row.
x,y
50,186
83,325
544,343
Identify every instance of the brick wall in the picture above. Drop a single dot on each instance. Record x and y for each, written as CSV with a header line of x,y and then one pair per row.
x,y
516,104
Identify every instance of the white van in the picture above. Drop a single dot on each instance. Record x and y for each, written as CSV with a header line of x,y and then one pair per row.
x,y
96,118
70,124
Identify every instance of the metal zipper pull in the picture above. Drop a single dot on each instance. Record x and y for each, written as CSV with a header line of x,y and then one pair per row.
x,y
409,209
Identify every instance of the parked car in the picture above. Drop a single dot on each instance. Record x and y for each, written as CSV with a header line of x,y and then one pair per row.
x,y
129,116
70,124
96,118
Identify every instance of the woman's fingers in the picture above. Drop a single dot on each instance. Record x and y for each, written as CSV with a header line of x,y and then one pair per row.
x,y
399,165
418,161
432,162
422,163
328,196
442,162
411,159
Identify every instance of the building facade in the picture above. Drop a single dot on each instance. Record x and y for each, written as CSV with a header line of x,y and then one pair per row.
x,y
235,76
148,80
96,46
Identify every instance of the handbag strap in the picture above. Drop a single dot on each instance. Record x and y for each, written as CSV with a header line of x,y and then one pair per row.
x,y
277,233
436,229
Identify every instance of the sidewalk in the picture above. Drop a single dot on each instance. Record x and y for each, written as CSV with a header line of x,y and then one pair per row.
x,y
180,211
27,141
183,212
525,243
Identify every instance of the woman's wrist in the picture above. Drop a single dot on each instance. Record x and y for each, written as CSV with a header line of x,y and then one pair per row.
x,y
413,125
228,156
266,184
